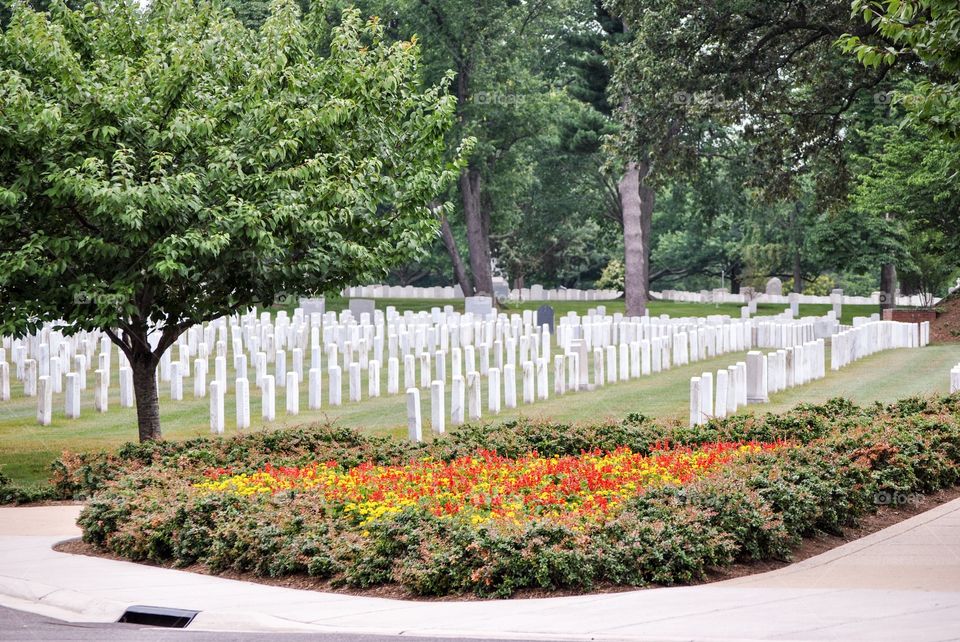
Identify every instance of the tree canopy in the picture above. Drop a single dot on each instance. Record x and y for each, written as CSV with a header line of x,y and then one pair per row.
x,y
163,166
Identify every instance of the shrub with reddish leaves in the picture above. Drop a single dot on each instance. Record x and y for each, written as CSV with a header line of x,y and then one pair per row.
x,y
494,510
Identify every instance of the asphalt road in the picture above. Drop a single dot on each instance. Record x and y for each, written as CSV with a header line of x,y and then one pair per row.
x,y
20,626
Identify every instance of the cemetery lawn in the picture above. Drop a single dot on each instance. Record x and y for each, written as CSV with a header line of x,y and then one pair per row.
x,y
27,449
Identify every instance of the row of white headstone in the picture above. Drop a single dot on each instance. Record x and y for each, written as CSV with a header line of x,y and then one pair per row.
x,y
955,379
533,293
869,337
753,380
423,343
355,341
835,297
605,370
786,368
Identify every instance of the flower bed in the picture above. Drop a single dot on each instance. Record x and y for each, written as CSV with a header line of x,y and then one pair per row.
x,y
490,510
590,487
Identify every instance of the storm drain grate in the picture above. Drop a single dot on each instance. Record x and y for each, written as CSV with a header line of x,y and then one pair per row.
x,y
158,616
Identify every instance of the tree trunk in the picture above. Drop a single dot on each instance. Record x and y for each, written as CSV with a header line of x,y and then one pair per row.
x,y
144,370
797,243
734,280
647,196
477,237
635,267
797,273
459,268
888,286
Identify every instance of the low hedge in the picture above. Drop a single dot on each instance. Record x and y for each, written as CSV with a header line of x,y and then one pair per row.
x,y
11,493
836,459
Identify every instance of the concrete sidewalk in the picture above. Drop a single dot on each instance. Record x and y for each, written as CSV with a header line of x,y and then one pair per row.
x,y
901,583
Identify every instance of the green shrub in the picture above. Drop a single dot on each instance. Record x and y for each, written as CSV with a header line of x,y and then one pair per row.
x,y
835,460
11,493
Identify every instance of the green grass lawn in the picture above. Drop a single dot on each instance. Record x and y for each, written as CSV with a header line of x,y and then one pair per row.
x,y
26,449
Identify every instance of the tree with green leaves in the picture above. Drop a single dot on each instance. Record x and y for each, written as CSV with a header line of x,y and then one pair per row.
x,y
164,166
925,35
905,184
496,50
630,195
767,73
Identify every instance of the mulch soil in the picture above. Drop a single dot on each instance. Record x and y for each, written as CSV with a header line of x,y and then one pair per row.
x,y
946,327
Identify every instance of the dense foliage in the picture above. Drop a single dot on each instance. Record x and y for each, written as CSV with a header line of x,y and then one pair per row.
x,y
179,503
164,166
924,31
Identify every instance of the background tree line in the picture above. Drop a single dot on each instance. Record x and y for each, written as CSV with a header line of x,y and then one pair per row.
x,y
675,144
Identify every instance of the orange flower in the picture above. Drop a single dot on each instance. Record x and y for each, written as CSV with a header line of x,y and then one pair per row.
x,y
589,487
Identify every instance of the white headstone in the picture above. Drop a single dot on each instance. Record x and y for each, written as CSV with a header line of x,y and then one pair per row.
x,y
176,382
243,403
336,388
493,390
56,375
775,287
425,377
598,369
457,400
292,394
72,401
756,377
528,382
720,404
100,396
200,378
732,395
559,375
393,376
543,378
414,425
509,386
216,408
4,381
479,306
268,405
126,387
354,382
30,378
696,414
373,378
573,359
44,400
314,389
438,413
280,360
473,395
706,395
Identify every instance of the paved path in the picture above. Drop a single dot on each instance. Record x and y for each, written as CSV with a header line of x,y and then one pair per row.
x,y
901,583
